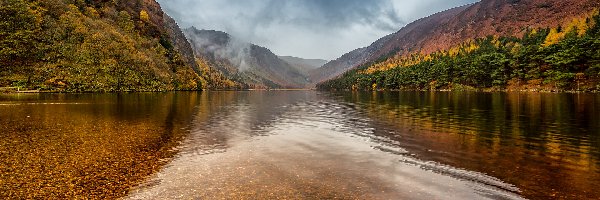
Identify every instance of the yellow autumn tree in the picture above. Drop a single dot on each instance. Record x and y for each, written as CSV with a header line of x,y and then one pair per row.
x,y
534,31
553,37
472,47
582,26
144,16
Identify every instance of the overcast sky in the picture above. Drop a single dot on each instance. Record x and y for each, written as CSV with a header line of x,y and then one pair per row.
x,y
305,28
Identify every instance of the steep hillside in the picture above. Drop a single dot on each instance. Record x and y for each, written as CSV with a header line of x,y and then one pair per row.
x,y
180,43
455,26
488,17
100,45
303,65
556,58
244,62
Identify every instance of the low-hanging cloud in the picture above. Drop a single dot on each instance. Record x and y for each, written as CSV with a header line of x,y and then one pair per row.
x,y
305,28
221,46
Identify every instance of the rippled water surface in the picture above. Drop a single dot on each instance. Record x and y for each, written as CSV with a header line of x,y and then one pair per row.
x,y
301,145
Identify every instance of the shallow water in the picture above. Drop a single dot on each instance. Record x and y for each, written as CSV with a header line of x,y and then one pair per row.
x,y
301,145
65,146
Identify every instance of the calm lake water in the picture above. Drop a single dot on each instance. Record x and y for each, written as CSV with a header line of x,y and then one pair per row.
x,y
300,145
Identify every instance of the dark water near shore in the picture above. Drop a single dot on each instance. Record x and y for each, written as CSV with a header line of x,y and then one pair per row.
x,y
300,145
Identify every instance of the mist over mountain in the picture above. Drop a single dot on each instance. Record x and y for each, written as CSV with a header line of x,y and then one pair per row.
x,y
245,62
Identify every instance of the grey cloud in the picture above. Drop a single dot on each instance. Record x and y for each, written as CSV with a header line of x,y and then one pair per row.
x,y
305,28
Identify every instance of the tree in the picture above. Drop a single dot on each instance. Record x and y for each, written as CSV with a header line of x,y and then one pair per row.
x,y
144,16
124,21
553,37
20,25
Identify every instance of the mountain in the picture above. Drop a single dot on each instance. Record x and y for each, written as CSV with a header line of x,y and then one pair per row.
x,y
452,27
93,46
490,45
380,47
488,17
180,43
244,62
303,65
349,60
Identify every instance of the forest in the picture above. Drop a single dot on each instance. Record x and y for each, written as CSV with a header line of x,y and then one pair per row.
x,y
89,46
564,58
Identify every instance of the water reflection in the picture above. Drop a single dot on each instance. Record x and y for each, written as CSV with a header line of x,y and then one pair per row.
x,y
302,145
545,144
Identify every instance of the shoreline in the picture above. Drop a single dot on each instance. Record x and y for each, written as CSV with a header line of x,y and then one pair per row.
x,y
6,90
484,90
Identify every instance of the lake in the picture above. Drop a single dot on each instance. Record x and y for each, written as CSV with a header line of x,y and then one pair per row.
x,y
300,145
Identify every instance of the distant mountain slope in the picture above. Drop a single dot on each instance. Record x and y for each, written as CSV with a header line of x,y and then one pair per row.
x,y
454,26
347,61
303,65
241,61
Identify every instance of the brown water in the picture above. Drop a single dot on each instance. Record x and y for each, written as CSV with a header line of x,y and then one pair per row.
x,y
300,145
64,146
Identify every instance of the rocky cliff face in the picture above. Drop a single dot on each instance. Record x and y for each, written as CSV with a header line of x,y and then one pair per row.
x,y
241,61
454,26
180,43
